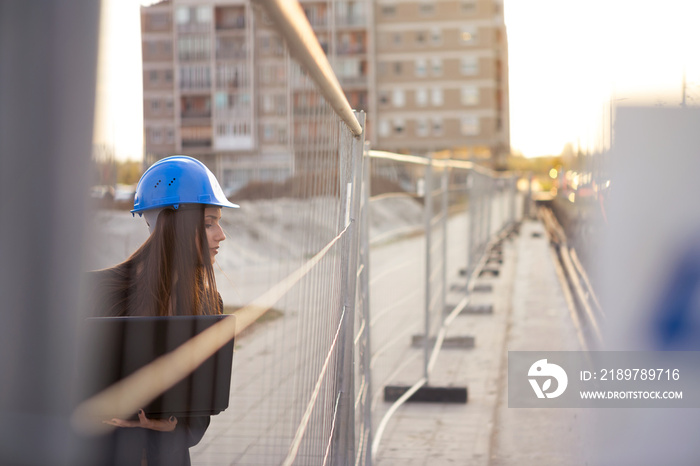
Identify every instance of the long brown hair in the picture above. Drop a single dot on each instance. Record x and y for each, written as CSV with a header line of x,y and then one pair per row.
x,y
170,274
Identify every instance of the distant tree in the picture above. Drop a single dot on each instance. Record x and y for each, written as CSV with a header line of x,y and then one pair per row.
x,y
108,171
129,171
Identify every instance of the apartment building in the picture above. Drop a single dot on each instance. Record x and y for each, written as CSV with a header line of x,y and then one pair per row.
x,y
441,77
431,75
217,83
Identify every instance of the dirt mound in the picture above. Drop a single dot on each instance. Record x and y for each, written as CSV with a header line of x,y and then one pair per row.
x,y
305,186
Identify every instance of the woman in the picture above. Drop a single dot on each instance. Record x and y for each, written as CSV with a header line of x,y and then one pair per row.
x,y
170,274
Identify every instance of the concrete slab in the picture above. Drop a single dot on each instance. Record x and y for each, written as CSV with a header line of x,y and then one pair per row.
x,y
530,313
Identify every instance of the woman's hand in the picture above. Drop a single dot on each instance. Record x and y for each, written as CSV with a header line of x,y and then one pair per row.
x,y
162,425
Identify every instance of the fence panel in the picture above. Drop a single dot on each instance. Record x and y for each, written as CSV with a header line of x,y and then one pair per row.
x,y
462,208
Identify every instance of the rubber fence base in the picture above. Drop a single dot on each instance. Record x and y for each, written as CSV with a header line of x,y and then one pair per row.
x,y
427,394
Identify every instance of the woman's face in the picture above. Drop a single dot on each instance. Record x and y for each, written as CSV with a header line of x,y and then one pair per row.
x,y
215,234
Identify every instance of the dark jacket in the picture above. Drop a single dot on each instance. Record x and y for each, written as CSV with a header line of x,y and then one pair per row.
x,y
110,296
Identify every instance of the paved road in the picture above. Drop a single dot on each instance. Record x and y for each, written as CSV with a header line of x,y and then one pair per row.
x,y
272,369
529,313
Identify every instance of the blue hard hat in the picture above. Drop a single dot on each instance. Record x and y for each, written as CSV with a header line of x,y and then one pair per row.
x,y
177,180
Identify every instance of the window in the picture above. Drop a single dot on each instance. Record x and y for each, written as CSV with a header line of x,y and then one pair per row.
x,y
381,69
317,14
220,100
384,128
436,97
420,38
469,66
268,103
426,8
469,125
169,136
268,132
397,38
437,126
151,49
421,97
233,47
349,68
421,127
399,125
468,35
204,14
156,135
436,65
345,43
182,15
232,17
383,97
232,76
468,7
158,20
281,134
153,76
277,46
281,104
436,36
421,67
388,10
265,43
398,68
470,95
398,98
155,106
195,76
193,47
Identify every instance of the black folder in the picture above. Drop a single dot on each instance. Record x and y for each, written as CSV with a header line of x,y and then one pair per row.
x,y
119,346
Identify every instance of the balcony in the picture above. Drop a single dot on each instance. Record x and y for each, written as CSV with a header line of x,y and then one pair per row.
x,y
351,21
351,49
193,107
194,114
196,136
196,142
230,18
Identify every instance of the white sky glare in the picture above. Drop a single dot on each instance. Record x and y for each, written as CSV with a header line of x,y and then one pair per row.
x,y
567,59
119,107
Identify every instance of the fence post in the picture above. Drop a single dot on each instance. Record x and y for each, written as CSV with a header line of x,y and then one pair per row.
x,y
488,201
366,356
350,180
428,216
481,221
513,199
471,215
445,205
47,89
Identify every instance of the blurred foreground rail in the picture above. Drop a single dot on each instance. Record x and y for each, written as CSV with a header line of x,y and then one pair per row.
x,y
587,312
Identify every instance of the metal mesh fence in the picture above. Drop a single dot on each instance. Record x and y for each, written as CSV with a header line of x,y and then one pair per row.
x,y
325,336
294,384
310,372
456,209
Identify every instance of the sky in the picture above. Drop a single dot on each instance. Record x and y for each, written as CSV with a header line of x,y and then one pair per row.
x,y
569,61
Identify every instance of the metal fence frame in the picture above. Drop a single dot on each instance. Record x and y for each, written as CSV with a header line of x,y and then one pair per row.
x,y
483,187
352,432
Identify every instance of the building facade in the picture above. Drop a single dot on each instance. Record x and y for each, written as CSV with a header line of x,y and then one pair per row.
x,y
442,77
218,84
